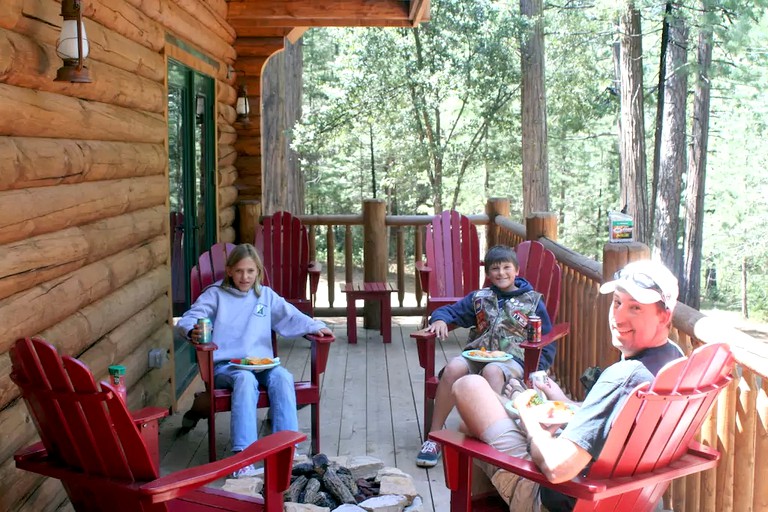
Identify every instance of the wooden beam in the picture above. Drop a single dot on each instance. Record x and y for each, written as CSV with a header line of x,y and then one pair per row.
x,y
300,13
295,34
257,46
419,11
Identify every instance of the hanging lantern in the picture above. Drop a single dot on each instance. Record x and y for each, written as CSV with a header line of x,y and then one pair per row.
x,y
243,106
72,46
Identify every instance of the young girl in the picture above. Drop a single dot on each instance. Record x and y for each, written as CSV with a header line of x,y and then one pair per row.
x,y
244,313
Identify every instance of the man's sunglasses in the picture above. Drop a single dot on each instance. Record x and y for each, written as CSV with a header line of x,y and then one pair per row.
x,y
640,279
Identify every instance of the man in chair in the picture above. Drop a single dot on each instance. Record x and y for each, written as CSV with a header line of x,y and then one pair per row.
x,y
644,297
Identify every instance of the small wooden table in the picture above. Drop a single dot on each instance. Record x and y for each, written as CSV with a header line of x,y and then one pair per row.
x,y
369,291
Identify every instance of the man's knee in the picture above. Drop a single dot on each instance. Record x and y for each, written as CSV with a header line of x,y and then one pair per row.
x,y
468,386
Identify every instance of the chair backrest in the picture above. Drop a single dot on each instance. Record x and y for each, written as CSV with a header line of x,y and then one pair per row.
x,y
283,244
211,266
539,267
659,420
86,428
453,254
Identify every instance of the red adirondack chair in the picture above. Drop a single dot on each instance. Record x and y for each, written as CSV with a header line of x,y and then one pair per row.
x,y
453,260
539,266
283,243
211,268
96,447
650,444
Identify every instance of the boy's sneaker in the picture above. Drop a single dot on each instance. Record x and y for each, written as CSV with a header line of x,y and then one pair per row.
x,y
428,455
245,472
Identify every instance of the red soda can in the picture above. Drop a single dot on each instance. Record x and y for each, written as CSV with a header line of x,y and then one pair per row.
x,y
534,329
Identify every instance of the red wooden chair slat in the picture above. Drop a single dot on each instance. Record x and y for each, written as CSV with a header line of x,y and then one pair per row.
x,y
283,242
212,269
107,464
650,443
537,264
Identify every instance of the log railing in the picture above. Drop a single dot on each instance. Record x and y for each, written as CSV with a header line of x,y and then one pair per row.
x,y
737,426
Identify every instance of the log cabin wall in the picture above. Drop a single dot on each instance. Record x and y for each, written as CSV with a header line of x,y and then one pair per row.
x,y
84,245
84,216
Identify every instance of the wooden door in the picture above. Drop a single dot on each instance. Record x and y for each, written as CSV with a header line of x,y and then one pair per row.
x,y
192,191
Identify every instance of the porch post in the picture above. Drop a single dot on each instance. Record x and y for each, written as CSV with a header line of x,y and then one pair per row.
x,y
615,257
249,213
494,207
541,224
375,254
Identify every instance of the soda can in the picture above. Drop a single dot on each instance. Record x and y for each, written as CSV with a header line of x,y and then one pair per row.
x,y
534,329
538,380
206,329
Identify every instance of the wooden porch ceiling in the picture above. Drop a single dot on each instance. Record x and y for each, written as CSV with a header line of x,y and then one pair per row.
x,y
279,18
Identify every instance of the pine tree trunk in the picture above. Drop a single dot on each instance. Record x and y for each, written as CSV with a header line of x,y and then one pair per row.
x,y
659,108
672,149
283,184
534,111
697,173
634,185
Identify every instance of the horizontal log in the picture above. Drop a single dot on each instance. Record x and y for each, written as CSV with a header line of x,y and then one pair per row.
x,y
162,338
225,93
227,235
258,46
250,180
35,260
44,305
182,23
227,113
296,13
227,196
41,20
227,134
16,486
31,64
219,7
207,14
46,114
252,130
122,345
124,18
49,496
245,30
35,162
226,216
227,156
32,212
248,165
227,175
248,146
249,193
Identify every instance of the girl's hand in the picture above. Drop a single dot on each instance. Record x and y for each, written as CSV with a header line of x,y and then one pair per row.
x,y
323,332
194,334
440,329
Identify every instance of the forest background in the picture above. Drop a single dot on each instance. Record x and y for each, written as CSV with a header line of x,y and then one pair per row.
x,y
430,118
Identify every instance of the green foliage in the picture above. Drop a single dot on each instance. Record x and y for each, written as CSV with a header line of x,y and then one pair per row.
x,y
431,116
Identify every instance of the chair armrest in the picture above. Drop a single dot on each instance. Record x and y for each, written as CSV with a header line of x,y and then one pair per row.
x,y
314,276
423,272
204,353
148,414
275,449
558,331
459,449
321,346
32,452
426,349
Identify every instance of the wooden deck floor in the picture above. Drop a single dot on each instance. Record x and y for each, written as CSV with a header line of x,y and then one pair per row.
x,y
372,404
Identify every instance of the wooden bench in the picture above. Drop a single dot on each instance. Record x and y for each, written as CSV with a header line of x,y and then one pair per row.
x,y
369,291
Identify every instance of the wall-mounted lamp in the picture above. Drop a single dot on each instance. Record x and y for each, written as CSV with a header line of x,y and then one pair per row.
x,y
72,46
243,106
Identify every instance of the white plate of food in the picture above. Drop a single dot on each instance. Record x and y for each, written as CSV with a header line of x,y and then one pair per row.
x,y
549,413
486,356
255,363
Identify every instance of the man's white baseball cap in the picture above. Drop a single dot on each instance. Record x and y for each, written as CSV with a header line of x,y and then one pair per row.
x,y
647,282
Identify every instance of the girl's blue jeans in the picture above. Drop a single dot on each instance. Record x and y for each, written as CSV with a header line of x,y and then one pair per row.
x,y
245,395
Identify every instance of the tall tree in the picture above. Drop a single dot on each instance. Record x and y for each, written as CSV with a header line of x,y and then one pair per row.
x,y
634,182
672,147
534,109
697,169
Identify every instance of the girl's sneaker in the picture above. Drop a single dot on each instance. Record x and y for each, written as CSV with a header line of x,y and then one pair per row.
x,y
245,472
428,455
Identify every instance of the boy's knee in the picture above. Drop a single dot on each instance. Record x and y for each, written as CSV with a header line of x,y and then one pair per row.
x,y
455,370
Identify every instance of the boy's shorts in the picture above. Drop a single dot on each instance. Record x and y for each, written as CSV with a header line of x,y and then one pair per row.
x,y
510,368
